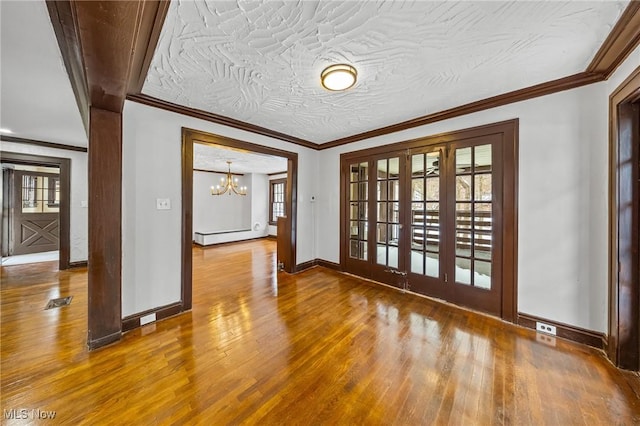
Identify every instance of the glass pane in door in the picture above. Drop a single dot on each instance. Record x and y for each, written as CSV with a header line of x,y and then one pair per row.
x,y
387,211
425,214
358,211
473,216
40,194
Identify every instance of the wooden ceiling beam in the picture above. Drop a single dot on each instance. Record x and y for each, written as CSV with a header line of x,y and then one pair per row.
x,y
106,47
107,32
151,22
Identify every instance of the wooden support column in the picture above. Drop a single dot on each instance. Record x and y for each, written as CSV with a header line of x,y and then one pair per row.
x,y
105,224
106,47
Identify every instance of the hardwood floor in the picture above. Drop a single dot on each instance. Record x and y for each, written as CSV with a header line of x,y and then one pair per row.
x,y
314,348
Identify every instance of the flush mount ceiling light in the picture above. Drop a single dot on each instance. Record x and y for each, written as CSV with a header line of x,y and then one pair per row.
x,y
338,77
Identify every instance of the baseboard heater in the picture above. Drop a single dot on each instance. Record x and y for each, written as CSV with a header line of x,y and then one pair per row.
x,y
217,237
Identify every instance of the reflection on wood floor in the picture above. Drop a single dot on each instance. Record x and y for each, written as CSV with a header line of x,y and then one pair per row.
x,y
314,348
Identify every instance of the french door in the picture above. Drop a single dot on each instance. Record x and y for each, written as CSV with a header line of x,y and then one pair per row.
x,y
377,207
430,219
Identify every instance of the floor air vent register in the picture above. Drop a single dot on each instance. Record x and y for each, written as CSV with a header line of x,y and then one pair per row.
x,y
57,303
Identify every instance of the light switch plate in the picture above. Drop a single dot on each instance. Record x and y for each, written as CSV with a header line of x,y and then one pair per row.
x,y
163,204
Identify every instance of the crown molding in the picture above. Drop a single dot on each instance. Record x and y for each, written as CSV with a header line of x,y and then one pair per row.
x,y
218,119
621,41
542,89
6,138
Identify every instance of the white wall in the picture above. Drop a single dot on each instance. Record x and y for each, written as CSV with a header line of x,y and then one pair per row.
x,y
79,219
562,250
260,204
562,259
215,213
230,212
151,169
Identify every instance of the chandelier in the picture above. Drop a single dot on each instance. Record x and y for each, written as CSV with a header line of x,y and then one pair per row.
x,y
228,185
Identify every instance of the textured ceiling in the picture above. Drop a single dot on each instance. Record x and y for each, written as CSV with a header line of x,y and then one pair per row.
x,y
260,61
215,157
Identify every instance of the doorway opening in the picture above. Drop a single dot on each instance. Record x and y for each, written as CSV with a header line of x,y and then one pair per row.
x,y
234,194
437,216
284,204
31,225
35,209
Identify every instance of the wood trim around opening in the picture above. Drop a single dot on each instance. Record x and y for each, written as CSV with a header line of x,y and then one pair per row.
x,y
65,191
623,305
189,138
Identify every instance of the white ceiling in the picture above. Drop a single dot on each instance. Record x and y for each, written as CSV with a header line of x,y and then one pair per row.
x,y
260,61
36,99
215,157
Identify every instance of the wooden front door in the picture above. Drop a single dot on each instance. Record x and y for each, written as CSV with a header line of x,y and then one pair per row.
x,y
36,214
